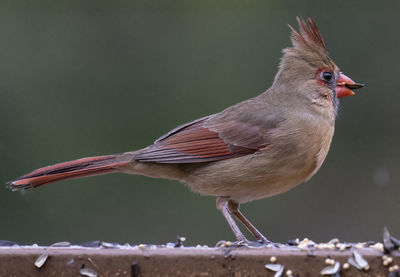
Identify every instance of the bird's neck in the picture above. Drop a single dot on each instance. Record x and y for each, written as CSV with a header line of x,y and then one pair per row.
x,y
291,100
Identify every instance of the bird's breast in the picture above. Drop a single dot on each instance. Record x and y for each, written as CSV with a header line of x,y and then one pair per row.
x,y
296,151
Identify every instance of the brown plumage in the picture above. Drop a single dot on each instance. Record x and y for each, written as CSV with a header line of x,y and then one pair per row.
x,y
257,148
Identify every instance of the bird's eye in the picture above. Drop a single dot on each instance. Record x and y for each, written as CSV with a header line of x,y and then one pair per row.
x,y
327,76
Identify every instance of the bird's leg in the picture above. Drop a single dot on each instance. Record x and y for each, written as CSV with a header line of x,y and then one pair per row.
x,y
223,206
233,208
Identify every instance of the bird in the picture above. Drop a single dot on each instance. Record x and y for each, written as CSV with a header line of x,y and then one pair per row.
x,y
260,147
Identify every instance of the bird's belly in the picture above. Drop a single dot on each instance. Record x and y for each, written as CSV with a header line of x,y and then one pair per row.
x,y
248,178
258,176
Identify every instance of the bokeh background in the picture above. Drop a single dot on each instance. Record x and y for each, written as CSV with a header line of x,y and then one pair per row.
x,y
83,78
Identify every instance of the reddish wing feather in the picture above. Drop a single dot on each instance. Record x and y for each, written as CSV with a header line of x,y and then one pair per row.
x,y
196,142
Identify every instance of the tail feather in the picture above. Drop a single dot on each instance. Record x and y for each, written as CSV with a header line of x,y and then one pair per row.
x,y
72,169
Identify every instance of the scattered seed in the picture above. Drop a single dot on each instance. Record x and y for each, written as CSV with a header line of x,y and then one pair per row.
x,y
108,245
7,243
61,244
180,241
88,272
95,243
346,266
41,260
220,243
387,242
378,246
289,273
359,245
393,268
360,260
330,270
278,268
273,259
142,246
395,241
224,243
306,244
387,261
329,261
273,267
330,246
341,246
369,242
334,241
352,262
294,242
279,273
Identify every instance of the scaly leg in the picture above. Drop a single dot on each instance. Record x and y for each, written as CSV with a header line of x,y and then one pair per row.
x,y
223,206
233,208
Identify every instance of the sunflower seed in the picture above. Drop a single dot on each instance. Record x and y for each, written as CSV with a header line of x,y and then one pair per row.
x,y
395,241
331,270
61,244
358,261
294,242
351,261
278,268
88,272
41,260
108,245
7,243
387,242
95,243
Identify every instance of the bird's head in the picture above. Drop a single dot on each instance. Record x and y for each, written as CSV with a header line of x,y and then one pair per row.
x,y
307,70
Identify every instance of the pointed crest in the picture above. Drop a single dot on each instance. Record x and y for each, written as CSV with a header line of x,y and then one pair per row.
x,y
308,42
309,35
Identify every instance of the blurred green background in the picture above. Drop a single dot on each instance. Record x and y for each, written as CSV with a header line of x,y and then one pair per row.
x,y
83,78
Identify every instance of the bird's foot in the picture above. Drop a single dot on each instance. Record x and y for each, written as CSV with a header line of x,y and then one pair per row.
x,y
247,243
239,243
264,243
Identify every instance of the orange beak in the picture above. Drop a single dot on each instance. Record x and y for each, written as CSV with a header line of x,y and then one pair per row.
x,y
345,85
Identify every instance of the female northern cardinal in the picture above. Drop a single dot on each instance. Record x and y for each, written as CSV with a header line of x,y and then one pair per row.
x,y
255,149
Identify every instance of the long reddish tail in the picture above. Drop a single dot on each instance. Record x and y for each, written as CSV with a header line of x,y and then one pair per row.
x,y
73,169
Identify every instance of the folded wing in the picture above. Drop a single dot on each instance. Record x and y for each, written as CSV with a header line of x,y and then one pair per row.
x,y
204,140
